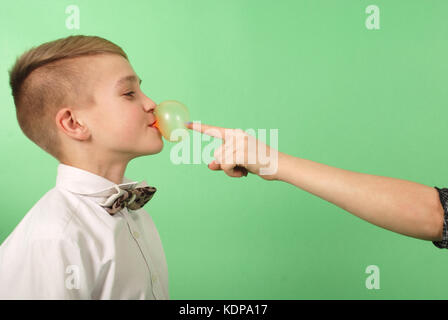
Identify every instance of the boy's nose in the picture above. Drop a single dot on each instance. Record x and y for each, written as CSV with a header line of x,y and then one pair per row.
x,y
150,105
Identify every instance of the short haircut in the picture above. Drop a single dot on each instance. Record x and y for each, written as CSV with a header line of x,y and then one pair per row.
x,y
48,77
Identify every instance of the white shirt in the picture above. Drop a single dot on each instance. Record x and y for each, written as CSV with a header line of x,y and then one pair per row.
x,y
69,247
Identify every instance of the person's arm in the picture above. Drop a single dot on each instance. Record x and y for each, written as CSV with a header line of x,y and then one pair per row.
x,y
402,206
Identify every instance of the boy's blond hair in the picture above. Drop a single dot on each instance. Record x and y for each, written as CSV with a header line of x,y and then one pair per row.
x,y
47,78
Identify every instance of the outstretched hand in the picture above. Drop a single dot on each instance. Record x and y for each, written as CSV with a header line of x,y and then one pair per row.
x,y
239,153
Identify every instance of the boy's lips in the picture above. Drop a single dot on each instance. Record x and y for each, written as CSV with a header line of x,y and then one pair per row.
x,y
154,124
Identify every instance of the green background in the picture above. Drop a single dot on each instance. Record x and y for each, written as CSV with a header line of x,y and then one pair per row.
x,y
371,101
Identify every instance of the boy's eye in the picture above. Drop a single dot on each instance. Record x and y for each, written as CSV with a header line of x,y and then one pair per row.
x,y
130,94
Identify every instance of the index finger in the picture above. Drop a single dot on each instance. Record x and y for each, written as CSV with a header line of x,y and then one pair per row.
x,y
217,132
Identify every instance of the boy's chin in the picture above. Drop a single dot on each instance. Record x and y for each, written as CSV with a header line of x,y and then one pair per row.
x,y
154,149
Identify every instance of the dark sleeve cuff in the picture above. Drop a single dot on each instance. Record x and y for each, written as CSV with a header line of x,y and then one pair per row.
x,y
443,195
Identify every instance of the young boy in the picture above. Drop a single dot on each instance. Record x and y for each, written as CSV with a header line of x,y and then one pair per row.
x,y
79,99
402,206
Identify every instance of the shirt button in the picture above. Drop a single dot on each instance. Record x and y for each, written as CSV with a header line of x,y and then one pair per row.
x,y
154,278
136,234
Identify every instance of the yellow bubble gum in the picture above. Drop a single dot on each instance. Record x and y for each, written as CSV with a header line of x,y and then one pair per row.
x,y
171,116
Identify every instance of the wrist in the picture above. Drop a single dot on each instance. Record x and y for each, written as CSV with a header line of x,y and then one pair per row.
x,y
287,168
282,160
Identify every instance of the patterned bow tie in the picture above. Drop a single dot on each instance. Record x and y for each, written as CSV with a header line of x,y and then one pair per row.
x,y
133,199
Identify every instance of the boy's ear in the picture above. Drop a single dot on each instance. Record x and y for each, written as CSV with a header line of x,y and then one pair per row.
x,y
84,129
70,126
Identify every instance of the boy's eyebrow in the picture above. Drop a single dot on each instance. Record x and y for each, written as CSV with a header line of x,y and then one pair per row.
x,y
130,78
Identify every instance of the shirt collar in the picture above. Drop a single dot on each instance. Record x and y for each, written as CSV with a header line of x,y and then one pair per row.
x,y
86,183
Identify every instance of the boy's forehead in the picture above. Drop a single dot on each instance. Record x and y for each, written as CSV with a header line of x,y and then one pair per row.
x,y
130,78
112,70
